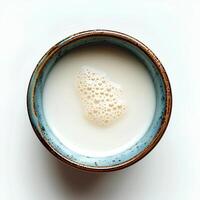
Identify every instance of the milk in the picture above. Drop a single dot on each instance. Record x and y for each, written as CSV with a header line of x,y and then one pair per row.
x,y
64,112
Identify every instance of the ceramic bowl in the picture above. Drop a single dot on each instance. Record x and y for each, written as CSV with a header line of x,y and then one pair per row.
x,y
122,159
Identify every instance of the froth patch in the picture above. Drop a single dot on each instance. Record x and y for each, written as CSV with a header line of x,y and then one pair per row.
x,y
101,98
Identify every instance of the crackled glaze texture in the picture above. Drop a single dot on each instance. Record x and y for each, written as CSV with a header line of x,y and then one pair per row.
x,y
127,157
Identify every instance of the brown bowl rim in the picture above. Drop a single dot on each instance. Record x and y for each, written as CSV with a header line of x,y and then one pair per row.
x,y
168,93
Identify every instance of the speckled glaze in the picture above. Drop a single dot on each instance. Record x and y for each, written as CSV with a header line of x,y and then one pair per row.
x,y
129,156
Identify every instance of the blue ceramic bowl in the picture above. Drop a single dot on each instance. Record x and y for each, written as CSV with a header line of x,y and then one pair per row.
x,y
127,157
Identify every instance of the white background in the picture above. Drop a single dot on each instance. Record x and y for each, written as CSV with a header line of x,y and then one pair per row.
x,y
29,28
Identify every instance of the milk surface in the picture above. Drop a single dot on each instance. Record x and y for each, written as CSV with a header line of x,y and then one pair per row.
x,y
64,112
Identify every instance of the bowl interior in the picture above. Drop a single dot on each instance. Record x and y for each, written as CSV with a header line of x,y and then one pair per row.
x,y
40,125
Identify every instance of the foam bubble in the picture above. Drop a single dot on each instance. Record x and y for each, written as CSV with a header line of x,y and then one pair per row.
x,y
101,98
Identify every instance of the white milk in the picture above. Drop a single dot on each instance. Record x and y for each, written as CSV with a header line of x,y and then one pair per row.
x,y
64,112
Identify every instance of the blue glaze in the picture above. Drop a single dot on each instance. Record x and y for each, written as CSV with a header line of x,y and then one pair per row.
x,y
39,122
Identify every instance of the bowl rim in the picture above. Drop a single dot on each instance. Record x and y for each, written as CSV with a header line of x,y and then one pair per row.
x,y
168,93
